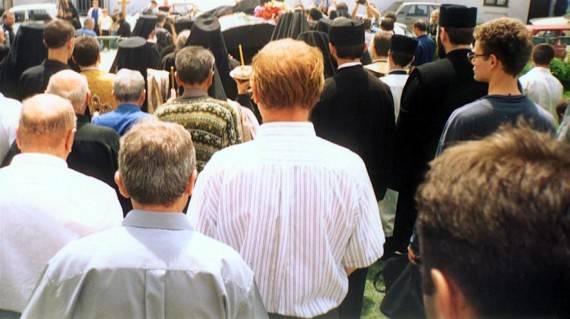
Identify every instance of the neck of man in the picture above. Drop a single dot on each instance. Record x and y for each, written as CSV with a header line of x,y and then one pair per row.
x,y
342,61
452,47
502,83
89,67
204,86
288,114
176,207
42,149
58,55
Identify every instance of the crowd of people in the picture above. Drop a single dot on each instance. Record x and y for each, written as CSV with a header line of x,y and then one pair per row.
x,y
255,191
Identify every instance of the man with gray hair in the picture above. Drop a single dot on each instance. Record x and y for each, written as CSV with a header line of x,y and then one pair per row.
x,y
214,124
43,203
87,30
129,92
156,265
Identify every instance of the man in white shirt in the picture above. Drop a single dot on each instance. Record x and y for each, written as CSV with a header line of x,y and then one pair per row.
x,y
44,204
539,84
9,117
156,265
401,55
300,210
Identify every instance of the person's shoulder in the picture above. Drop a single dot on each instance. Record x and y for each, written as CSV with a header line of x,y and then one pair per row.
x,y
99,132
87,184
33,70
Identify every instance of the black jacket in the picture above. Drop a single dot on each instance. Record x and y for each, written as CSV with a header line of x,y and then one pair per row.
x,y
35,79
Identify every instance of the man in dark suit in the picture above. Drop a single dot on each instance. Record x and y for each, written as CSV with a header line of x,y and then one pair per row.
x,y
58,38
433,91
356,110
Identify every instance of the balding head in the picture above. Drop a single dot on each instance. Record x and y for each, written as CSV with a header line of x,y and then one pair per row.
x,y
47,125
72,86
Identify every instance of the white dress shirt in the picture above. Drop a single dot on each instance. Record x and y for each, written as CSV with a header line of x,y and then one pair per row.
x,y
155,266
43,206
9,118
542,88
299,209
396,82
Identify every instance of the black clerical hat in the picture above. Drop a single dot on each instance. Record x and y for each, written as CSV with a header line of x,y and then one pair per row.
x,y
182,24
144,26
346,32
403,44
206,24
457,16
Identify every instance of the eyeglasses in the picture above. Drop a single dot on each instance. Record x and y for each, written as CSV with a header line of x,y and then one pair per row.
x,y
472,55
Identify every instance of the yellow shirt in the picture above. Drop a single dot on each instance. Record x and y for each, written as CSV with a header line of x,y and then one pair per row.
x,y
101,86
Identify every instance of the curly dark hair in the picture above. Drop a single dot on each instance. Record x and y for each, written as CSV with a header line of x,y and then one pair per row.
x,y
509,40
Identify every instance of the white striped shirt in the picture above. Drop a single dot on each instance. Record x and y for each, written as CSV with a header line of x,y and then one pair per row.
x,y
299,210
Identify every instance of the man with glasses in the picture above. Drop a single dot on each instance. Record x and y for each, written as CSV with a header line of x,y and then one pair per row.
x,y
214,124
433,91
502,49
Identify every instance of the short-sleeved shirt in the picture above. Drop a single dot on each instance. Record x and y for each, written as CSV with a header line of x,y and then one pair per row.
x,y
154,266
299,210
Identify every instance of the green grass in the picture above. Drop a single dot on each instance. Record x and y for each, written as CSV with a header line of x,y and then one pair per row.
x,y
567,95
372,298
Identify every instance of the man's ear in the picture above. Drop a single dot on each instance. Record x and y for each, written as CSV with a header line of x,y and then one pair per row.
x,y
449,301
333,50
121,185
191,182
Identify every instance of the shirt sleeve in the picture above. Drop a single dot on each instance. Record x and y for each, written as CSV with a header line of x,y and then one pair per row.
x,y
252,305
51,299
202,210
366,244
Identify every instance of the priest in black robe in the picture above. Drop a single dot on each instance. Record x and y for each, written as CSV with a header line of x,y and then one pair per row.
x,y
356,111
433,91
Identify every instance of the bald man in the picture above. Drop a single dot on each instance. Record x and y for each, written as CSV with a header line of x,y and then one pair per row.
x,y
43,203
95,149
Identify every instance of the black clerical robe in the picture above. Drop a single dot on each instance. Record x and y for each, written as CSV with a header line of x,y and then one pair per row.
x,y
433,91
35,79
356,110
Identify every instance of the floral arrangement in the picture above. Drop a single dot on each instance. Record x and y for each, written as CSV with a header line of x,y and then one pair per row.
x,y
270,10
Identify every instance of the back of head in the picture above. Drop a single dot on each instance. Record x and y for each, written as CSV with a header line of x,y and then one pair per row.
x,y
387,24
382,43
542,54
156,160
194,64
57,33
89,23
494,217
347,37
287,73
128,86
458,22
72,86
421,25
315,14
44,122
85,51
509,40
390,15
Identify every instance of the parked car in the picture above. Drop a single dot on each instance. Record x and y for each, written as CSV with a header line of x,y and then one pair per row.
x,y
33,12
410,12
553,30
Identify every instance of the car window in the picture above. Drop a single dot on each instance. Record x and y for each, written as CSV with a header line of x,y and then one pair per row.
x,y
38,14
20,16
418,11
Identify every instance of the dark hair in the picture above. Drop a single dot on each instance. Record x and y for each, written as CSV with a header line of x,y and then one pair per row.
x,y
382,43
350,51
315,14
390,15
494,216
86,51
460,36
57,33
509,40
561,110
421,25
387,24
401,59
542,54
194,64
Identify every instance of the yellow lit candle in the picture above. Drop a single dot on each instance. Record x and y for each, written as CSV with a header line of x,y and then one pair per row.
x,y
241,55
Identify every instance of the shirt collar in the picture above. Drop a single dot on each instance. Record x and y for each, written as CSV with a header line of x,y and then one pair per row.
x,y
285,129
398,71
128,107
349,64
38,158
147,219
542,69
